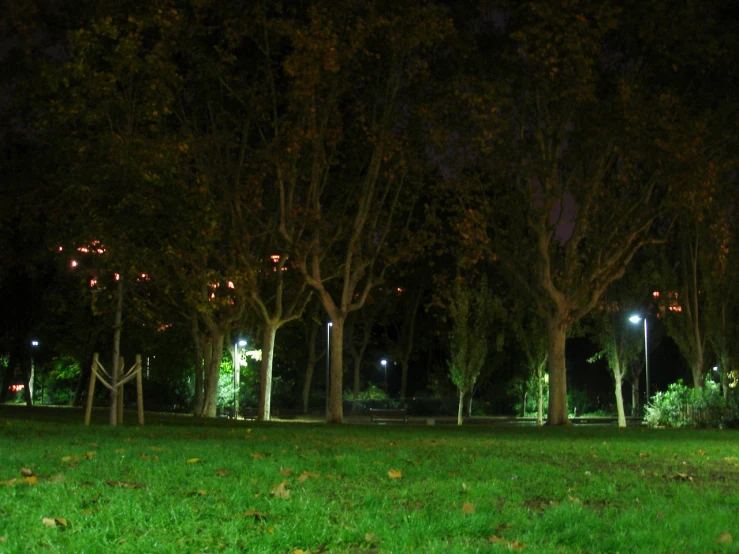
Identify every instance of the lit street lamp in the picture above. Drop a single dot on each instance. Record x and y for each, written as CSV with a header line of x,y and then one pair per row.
x,y
637,319
384,366
237,375
328,362
34,344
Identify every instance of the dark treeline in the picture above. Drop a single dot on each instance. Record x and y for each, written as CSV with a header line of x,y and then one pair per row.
x,y
456,187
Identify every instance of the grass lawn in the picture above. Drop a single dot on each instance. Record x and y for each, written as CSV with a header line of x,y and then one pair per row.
x,y
173,486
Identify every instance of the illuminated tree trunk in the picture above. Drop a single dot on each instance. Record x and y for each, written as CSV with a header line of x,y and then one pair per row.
x,y
557,332
460,409
265,380
115,371
619,401
336,395
540,395
213,355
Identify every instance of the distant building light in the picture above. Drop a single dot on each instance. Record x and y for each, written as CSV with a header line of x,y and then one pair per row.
x,y
231,285
117,277
93,282
16,388
656,294
73,263
275,258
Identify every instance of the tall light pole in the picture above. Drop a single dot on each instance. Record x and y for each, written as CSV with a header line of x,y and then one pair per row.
x,y
237,375
637,319
384,366
34,344
328,362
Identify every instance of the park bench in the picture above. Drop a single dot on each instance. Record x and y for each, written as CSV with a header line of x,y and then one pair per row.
x,y
388,414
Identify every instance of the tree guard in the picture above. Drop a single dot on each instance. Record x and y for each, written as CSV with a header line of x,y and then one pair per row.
x,y
99,373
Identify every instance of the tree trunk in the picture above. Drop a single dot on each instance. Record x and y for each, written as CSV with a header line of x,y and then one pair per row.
x,y
635,398
336,400
213,356
27,373
460,409
557,336
540,396
265,374
618,380
312,360
469,405
114,374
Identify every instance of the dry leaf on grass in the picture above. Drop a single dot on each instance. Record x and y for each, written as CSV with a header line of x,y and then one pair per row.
x,y
257,456
125,485
725,538
222,472
286,471
468,508
25,472
370,537
298,551
32,480
306,474
193,460
574,499
89,455
53,521
281,491
394,474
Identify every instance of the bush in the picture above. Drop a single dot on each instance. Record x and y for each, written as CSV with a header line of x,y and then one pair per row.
x,y
682,406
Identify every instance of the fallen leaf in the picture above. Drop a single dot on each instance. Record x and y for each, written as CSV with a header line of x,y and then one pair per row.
x,y
370,537
61,521
725,538
119,450
281,491
298,551
65,459
222,472
394,474
9,483
89,455
643,455
93,444
701,452
125,485
468,508
257,455
306,474
515,545
574,499
286,471
32,480
193,460
731,459
25,472
49,521
156,448
464,486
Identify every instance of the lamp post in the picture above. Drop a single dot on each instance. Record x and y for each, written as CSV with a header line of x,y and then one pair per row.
x,y
237,375
328,362
34,344
384,366
637,319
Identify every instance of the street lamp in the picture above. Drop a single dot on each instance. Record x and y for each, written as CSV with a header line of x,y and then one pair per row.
x,y
637,319
328,362
384,366
237,376
34,344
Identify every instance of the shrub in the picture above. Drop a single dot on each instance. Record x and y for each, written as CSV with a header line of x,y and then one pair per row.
x,y
682,406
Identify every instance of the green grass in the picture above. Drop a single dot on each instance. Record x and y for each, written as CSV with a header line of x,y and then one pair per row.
x,y
575,490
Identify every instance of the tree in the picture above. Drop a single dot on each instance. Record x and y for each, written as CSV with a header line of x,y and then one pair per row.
x,y
531,334
471,309
350,73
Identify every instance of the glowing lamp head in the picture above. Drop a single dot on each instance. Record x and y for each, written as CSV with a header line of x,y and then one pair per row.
x,y
242,343
384,362
635,318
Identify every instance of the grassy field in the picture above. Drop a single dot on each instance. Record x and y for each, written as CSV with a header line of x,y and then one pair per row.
x,y
173,486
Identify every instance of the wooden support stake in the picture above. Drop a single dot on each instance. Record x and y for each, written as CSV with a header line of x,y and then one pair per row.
x,y
121,372
91,388
139,389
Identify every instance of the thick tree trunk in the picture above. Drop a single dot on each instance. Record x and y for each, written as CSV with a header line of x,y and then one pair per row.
x,y
213,355
310,366
696,368
557,336
336,400
460,409
265,374
618,380
114,374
